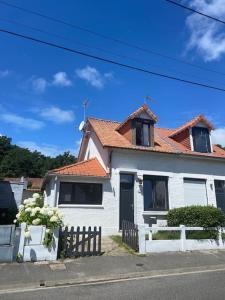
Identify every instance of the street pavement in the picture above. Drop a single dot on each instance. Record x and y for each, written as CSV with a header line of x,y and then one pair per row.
x,y
209,285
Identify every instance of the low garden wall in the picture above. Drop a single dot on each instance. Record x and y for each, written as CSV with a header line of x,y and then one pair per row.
x,y
164,239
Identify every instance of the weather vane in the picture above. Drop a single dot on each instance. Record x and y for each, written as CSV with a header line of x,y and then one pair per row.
x,y
149,98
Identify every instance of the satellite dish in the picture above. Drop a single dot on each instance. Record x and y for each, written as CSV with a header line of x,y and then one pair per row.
x,y
81,126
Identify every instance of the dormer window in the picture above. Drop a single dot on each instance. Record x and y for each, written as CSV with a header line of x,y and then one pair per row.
x,y
201,140
143,132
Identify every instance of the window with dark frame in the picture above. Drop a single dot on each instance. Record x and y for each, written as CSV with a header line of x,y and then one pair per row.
x,y
155,193
80,193
143,135
201,140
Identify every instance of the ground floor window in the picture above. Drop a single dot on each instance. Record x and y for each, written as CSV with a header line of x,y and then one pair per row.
x,y
220,194
155,193
80,193
195,192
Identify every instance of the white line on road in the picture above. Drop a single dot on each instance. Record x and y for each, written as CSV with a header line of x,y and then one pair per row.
x,y
33,289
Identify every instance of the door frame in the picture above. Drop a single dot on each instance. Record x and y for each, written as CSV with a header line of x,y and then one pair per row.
x,y
134,198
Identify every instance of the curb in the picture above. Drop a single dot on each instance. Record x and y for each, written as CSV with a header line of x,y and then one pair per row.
x,y
41,285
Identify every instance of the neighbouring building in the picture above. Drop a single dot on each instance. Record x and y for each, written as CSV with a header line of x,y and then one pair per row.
x,y
135,171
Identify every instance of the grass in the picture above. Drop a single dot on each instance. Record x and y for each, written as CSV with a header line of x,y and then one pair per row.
x,y
175,235
118,239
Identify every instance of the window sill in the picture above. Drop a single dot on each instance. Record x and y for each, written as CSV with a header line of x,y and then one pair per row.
x,y
155,213
80,206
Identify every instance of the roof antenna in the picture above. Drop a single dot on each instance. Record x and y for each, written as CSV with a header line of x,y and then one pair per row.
x,y
85,105
149,98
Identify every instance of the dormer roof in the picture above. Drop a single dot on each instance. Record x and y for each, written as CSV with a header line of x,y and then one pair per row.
x,y
192,123
143,109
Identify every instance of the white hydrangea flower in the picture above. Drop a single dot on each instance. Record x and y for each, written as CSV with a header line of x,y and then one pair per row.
x,y
50,213
28,209
36,196
53,219
14,221
36,221
18,215
21,206
47,230
27,234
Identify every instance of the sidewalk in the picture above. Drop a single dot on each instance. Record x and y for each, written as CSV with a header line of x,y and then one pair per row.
x,y
88,269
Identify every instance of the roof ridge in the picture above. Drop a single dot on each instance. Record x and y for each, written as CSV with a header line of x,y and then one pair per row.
x,y
105,120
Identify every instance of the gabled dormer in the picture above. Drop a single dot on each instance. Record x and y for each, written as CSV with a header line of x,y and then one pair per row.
x,y
195,135
138,128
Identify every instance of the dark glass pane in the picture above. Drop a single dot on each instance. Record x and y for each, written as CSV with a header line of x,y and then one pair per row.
x,y
148,194
127,181
80,193
155,193
201,139
65,194
139,133
220,194
145,134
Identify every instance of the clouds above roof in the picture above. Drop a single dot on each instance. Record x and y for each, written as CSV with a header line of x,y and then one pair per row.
x,y
57,115
206,36
218,136
61,79
21,122
93,77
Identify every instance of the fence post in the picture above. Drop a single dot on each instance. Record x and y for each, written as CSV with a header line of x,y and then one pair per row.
x,y
183,237
220,238
141,239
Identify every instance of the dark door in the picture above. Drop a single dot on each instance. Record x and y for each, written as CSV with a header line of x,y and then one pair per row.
x,y
126,198
220,194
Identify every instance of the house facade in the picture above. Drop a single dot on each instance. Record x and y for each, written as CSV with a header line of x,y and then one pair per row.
x,y
135,171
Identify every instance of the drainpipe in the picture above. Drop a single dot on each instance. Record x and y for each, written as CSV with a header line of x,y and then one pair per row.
x,y
110,162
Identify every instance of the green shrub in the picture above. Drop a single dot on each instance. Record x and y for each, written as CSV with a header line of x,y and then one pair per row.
x,y
196,216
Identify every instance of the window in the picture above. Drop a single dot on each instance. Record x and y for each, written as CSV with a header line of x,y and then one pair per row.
x,y
143,136
80,193
220,194
201,139
195,192
155,193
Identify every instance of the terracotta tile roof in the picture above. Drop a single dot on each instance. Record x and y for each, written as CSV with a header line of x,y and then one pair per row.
x,y
192,123
143,108
91,167
108,135
33,184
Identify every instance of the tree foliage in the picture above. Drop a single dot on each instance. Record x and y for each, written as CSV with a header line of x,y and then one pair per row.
x,y
16,161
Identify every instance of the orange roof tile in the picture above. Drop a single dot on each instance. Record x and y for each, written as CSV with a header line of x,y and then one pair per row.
x,y
91,167
108,135
192,123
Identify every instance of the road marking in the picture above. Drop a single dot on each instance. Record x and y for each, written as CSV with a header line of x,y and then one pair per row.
x,y
37,288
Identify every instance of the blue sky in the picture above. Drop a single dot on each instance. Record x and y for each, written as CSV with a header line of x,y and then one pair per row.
x,y
42,88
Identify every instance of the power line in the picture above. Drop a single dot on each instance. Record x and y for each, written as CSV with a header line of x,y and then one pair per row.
x,y
195,11
92,47
127,44
33,39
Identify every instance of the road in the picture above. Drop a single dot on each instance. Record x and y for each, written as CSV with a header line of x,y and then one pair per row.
x,y
207,285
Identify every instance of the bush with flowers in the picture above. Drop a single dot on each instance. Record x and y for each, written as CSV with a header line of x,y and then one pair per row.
x,y
33,211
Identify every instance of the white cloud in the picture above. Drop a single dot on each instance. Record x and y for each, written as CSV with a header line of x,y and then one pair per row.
x,y
61,79
21,122
206,36
93,76
218,136
57,115
4,73
46,149
39,85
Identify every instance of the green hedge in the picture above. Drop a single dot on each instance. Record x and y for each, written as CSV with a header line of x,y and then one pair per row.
x,y
196,216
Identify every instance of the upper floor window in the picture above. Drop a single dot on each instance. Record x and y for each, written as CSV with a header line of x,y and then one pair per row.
x,y
201,140
143,136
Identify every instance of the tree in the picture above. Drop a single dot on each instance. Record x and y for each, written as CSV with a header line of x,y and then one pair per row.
x,y
16,161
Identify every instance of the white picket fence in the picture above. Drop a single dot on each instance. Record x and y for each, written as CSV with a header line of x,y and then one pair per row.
x,y
147,244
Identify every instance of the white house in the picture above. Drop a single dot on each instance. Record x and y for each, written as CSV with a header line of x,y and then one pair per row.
x,y
136,171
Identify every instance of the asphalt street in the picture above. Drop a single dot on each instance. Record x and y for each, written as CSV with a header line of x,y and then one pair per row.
x,y
206,285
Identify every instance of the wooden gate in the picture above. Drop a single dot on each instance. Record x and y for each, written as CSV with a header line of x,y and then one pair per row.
x,y
130,234
75,243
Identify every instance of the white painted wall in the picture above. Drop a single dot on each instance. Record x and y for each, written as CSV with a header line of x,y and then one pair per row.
x,y
139,163
95,149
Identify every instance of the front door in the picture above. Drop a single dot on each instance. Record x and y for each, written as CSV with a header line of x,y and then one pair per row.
x,y
220,194
126,198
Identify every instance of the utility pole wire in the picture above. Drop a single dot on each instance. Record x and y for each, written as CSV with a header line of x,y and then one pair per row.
x,y
33,39
127,44
195,11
